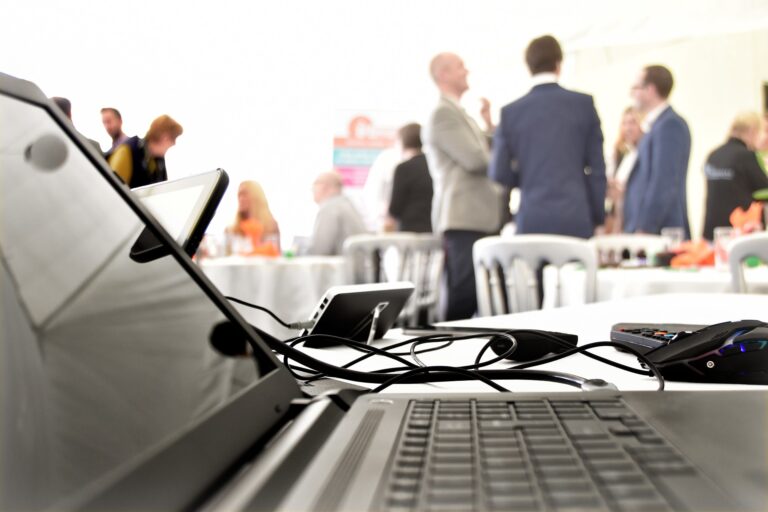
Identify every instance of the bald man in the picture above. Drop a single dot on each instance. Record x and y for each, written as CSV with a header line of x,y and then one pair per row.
x,y
337,218
466,205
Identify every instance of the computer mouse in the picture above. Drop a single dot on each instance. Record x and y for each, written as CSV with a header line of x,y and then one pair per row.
x,y
729,352
533,344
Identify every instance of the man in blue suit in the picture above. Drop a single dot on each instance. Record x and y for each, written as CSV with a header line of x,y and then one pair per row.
x,y
549,143
656,191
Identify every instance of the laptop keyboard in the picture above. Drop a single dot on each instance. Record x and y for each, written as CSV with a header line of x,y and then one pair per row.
x,y
533,455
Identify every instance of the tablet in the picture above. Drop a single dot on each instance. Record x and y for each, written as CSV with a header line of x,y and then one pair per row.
x,y
184,207
349,311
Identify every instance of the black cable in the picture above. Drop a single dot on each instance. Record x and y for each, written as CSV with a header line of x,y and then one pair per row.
x,y
569,346
511,350
294,325
426,369
438,376
653,370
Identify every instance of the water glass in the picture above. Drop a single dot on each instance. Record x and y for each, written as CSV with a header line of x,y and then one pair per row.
x,y
722,237
674,237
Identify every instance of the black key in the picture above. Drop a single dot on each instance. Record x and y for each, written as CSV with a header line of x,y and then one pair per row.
x,y
507,503
500,488
585,429
453,426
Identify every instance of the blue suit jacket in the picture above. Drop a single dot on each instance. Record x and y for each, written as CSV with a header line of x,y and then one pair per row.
x,y
549,143
655,196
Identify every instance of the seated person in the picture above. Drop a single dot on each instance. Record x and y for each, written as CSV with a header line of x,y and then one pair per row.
x,y
410,208
337,218
733,173
141,162
254,221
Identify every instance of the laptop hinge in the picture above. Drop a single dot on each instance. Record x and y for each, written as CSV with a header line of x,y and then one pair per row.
x,y
269,476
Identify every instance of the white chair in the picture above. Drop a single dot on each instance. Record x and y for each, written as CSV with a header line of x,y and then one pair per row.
x,y
414,257
739,250
506,268
612,248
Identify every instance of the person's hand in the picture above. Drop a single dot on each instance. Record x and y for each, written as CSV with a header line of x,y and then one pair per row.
x,y
485,113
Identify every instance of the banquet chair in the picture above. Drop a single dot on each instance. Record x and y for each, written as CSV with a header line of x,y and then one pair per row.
x,y
754,245
612,249
414,257
506,270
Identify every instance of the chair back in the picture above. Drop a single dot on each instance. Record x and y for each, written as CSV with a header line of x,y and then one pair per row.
x,y
507,270
611,249
741,248
414,257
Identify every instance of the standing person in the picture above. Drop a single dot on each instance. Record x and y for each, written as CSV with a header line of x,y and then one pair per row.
x,y
733,173
411,203
466,204
623,162
656,191
141,162
336,217
550,145
113,124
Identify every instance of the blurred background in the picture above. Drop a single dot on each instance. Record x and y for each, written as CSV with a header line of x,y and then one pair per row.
x,y
262,88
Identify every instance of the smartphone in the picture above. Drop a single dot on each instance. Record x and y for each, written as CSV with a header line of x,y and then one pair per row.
x,y
184,207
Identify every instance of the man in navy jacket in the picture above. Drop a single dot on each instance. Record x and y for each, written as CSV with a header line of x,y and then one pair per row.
x,y
656,191
549,143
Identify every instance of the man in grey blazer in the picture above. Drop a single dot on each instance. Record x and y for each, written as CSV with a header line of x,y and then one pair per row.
x,y
466,205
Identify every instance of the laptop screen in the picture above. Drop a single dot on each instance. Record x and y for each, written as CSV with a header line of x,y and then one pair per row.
x,y
102,358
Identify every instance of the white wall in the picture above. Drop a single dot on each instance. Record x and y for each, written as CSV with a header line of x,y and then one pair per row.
x,y
259,86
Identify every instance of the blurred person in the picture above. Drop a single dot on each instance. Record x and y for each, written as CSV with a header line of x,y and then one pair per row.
x,y
113,124
141,162
733,172
466,205
66,106
549,144
336,217
623,159
411,205
655,195
377,190
254,220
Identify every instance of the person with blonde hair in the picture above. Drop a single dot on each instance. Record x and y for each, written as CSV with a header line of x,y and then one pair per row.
x,y
623,160
733,172
141,162
254,220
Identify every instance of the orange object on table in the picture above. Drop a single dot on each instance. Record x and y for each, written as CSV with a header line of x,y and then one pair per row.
x,y
749,220
694,254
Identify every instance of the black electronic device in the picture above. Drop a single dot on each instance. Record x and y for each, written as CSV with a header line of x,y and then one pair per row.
x,y
184,207
648,336
532,344
359,312
728,352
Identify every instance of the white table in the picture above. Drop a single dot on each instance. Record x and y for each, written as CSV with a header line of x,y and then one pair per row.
x,y
289,287
591,322
619,283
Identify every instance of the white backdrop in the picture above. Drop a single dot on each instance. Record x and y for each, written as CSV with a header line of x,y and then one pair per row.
x,y
258,86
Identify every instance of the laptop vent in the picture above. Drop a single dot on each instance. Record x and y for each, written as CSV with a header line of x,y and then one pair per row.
x,y
347,467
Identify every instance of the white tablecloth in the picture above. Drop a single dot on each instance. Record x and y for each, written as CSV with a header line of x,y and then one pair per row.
x,y
617,283
289,287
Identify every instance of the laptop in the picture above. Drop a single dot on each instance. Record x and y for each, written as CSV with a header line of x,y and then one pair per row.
x,y
113,399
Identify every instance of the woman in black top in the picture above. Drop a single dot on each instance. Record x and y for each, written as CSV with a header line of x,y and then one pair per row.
x,y
733,173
